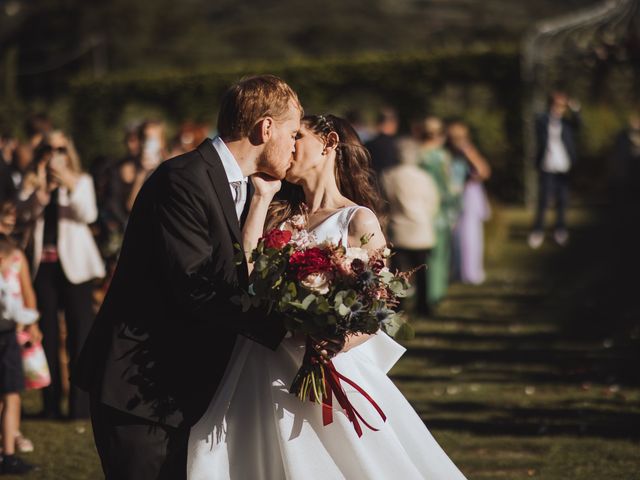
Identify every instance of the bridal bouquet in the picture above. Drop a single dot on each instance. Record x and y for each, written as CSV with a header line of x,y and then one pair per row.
x,y
325,290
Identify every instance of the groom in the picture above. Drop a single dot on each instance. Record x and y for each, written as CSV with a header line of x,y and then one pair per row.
x,y
166,330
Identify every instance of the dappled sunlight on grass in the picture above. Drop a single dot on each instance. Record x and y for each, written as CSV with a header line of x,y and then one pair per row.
x,y
531,375
514,381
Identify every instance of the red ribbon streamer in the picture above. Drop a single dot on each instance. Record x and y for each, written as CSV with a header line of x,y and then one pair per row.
x,y
333,387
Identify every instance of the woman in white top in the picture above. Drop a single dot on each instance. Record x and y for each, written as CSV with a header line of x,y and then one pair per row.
x,y
414,203
65,258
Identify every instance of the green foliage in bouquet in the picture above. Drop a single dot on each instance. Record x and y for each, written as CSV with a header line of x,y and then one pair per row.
x,y
326,289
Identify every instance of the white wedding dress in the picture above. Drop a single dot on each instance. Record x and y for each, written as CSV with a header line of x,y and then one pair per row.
x,y
254,429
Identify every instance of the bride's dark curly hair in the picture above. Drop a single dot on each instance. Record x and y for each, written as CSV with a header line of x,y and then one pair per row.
x,y
355,178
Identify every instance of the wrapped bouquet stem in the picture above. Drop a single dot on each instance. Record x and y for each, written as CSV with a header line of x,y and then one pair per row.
x,y
318,381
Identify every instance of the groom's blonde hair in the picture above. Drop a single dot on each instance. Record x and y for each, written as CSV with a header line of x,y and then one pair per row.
x,y
252,99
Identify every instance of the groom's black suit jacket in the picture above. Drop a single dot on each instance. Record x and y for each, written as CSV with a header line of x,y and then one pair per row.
x,y
163,337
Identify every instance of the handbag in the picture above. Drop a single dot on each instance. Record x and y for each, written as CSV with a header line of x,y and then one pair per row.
x,y
34,362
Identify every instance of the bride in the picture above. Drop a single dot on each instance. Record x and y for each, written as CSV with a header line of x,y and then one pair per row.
x,y
254,429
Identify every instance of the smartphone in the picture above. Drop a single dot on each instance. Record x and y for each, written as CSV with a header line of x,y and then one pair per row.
x,y
151,154
58,161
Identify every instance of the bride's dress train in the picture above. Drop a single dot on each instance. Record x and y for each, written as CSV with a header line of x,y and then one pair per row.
x,y
254,429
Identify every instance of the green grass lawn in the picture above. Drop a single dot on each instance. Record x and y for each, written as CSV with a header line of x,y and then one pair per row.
x,y
532,375
535,373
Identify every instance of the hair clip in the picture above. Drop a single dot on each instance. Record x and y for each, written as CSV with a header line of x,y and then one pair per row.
x,y
325,124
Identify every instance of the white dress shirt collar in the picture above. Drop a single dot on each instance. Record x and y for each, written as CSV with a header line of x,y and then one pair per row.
x,y
230,164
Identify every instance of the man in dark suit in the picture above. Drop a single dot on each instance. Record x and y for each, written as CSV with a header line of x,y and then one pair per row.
x,y
384,147
556,156
162,339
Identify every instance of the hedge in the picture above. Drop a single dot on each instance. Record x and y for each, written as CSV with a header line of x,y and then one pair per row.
x,y
486,92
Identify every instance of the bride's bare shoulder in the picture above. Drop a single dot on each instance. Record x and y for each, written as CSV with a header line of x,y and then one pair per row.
x,y
365,222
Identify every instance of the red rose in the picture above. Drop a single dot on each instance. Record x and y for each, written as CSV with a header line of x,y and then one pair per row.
x,y
276,238
357,266
312,260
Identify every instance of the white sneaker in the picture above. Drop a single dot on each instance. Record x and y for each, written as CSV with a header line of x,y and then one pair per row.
x,y
23,444
561,237
536,239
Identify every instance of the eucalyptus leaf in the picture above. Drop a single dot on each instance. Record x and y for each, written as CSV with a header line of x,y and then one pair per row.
x,y
350,298
304,304
339,298
396,287
386,276
322,305
308,301
405,332
262,263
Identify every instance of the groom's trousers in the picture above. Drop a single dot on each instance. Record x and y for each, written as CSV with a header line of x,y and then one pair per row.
x,y
132,448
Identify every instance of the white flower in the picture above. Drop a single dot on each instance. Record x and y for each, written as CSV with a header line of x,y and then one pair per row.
x,y
356,252
316,282
298,221
386,252
303,239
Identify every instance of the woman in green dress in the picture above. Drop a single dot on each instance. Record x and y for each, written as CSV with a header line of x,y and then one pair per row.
x,y
436,161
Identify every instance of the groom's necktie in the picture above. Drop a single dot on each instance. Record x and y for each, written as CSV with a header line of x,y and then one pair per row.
x,y
240,196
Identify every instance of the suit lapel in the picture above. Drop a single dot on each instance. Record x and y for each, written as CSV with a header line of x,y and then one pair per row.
x,y
218,178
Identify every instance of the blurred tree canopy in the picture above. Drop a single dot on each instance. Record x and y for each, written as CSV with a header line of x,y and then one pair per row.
x,y
50,41
444,83
97,66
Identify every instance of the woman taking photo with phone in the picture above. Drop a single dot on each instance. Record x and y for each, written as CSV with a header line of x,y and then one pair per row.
x,y
65,259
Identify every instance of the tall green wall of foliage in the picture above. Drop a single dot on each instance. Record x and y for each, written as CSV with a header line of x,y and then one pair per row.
x,y
481,86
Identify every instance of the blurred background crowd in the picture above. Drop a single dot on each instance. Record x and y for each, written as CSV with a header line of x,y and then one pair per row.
x,y
68,221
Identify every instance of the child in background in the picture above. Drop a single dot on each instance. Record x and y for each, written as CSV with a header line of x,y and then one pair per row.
x,y
12,311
